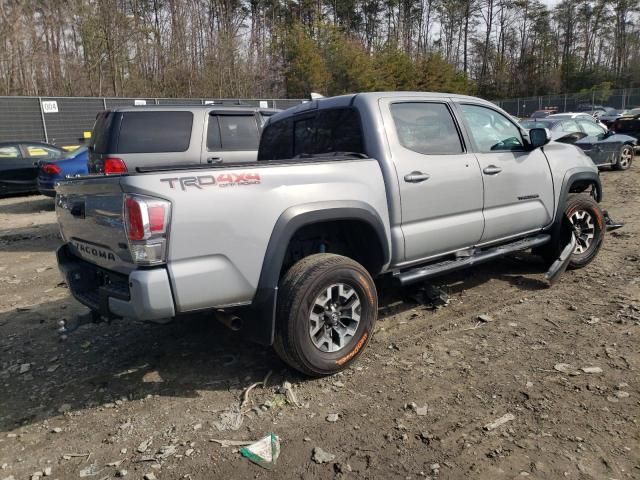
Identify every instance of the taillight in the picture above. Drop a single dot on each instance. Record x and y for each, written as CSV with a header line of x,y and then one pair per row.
x,y
51,169
112,166
146,224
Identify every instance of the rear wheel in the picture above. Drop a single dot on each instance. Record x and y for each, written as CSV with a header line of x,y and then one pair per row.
x,y
327,307
625,158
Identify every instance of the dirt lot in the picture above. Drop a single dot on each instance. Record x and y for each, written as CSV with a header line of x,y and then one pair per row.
x,y
415,405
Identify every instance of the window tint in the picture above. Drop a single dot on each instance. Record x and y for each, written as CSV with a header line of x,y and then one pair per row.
x,y
41,152
591,128
570,126
238,132
277,141
426,128
9,153
491,130
150,132
325,132
336,130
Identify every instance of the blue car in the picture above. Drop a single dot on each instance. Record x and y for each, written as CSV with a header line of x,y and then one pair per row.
x,y
72,164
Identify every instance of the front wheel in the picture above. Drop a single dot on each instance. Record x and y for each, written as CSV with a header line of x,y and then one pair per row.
x,y
625,158
327,308
588,223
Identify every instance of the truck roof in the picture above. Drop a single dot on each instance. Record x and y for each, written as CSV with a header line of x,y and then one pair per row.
x,y
368,97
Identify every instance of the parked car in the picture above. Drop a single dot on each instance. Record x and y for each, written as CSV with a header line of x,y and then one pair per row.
x,y
628,124
72,164
576,115
400,185
19,163
605,148
543,113
126,138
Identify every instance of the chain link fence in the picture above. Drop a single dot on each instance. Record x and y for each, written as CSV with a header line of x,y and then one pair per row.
x,y
572,102
63,120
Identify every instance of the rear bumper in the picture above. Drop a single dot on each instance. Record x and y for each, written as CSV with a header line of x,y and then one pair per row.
x,y
47,188
141,295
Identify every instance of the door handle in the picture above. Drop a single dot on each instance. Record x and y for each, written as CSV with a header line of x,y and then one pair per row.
x,y
416,177
492,170
214,160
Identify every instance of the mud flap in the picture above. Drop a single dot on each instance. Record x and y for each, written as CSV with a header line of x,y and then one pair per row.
x,y
560,264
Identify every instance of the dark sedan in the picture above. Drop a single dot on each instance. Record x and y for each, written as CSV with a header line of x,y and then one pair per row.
x,y
605,148
19,163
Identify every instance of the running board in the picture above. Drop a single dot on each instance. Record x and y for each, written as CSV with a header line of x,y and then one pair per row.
x,y
433,270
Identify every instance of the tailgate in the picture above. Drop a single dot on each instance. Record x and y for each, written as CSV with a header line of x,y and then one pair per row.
x,y
90,215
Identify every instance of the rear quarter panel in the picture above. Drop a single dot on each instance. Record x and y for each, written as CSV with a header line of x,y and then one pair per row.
x,y
220,229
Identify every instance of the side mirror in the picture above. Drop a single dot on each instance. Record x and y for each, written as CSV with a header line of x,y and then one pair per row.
x,y
539,137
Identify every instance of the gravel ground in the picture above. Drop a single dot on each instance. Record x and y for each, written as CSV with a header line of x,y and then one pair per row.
x,y
136,399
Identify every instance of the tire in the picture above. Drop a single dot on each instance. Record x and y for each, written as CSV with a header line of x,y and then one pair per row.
x,y
625,158
586,218
322,345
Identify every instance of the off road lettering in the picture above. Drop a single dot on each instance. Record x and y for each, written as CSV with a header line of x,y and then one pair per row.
x,y
221,180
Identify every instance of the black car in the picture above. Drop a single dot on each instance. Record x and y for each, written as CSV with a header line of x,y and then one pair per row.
x,y
19,162
605,148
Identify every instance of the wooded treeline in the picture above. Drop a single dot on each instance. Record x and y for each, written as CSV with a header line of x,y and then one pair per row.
x,y
287,48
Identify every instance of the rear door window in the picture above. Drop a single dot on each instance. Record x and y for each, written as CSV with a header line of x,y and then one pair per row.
x,y
426,128
41,152
155,132
232,132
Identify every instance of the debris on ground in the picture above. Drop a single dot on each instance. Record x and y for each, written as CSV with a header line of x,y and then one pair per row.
x,y
591,369
320,456
566,368
264,452
230,419
287,390
231,443
507,417
333,417
485,318
430,296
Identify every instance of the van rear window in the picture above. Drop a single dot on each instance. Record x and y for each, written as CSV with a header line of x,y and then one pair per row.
x,y
154,132
325,132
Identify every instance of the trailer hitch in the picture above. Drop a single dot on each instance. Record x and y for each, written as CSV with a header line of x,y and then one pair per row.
x,y
70,326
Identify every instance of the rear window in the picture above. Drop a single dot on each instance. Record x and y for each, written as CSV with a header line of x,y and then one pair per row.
x,y
154,132
325,132
101,132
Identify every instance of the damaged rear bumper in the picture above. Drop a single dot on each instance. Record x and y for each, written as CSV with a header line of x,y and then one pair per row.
x,y
140,295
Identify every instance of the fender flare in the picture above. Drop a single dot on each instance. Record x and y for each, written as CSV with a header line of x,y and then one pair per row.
x,y
568,181
259,317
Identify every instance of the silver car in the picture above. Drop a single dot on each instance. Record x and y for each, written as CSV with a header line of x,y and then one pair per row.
x,y
128,138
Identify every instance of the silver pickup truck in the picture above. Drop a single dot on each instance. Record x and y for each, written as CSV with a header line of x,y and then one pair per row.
x,y
400,185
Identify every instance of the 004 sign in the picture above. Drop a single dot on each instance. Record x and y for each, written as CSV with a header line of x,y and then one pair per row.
x,y
49,106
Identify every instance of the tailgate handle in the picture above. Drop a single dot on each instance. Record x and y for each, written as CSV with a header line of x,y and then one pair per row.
x,y
77,210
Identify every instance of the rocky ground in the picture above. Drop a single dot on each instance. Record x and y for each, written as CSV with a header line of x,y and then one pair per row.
x,y
556,369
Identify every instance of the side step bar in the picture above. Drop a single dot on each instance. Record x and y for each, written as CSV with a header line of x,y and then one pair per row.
x,y
422,273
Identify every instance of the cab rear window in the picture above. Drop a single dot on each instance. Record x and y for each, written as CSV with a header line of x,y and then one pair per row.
x,y
153,132
324,132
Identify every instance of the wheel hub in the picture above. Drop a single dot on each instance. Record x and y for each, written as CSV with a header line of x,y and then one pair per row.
x,y
584,230
334,318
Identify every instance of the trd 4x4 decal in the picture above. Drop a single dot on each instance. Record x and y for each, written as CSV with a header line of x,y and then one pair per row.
x,y
221,180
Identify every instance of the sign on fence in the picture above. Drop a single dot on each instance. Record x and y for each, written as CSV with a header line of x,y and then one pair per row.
x,y
50,106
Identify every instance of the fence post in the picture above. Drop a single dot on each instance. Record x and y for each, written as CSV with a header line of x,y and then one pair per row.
x,y
104,103
565,103
44,123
